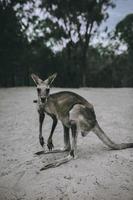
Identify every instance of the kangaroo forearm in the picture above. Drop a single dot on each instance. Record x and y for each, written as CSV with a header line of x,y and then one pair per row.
x,y
41,119
53,126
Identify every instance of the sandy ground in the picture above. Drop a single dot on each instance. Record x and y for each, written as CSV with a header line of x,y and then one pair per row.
x,y
98,174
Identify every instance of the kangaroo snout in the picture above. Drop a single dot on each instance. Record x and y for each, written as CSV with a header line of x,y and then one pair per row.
x,y
43,99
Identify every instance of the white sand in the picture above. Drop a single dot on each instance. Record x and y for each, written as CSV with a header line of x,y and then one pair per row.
x,y
98,174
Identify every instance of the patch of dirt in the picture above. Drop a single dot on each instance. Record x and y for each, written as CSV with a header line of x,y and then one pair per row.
x,y
98,173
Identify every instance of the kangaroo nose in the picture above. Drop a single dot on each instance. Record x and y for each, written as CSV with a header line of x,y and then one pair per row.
x,y
42,99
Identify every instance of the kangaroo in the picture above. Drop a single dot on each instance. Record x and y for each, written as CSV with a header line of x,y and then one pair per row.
x,y
75,113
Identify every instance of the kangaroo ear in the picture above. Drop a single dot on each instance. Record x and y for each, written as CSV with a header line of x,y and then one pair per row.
x,y
36,79
50,79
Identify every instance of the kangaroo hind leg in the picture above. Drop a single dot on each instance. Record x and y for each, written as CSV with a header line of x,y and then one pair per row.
x,y
72,153
69,157
74,131
67,145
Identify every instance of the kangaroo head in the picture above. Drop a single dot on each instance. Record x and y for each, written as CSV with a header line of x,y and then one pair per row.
x,y
43,87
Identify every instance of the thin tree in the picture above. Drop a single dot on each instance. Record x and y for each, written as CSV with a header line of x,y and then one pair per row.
x,y
75,22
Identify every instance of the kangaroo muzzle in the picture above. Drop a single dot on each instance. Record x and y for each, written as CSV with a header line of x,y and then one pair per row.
x,y
43,99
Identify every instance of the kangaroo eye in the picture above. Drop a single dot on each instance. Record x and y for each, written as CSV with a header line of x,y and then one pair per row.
x,y
38,90
47,90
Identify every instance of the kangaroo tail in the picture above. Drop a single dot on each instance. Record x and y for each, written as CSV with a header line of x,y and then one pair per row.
x,y
106,140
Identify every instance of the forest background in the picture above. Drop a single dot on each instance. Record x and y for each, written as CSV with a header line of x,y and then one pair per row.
x,y
69,37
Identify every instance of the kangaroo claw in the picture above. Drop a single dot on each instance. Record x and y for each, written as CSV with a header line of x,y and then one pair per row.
x,y
50,146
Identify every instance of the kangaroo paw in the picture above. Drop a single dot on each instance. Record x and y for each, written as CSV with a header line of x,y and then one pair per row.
x,y
57,163
50,145
39,153
52,151
41,140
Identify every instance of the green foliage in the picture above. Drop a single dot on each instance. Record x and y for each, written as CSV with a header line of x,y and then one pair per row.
x,y
11,43
77,22
78,64
124,30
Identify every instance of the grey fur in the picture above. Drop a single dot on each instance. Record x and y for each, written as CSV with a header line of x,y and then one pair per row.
x,y
74,112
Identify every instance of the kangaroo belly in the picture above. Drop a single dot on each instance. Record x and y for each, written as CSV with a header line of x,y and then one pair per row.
x,y
80,114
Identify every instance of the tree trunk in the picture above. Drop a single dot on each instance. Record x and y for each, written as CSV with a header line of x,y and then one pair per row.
x,y
26,76
84,65
84,84
85,52
12,80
